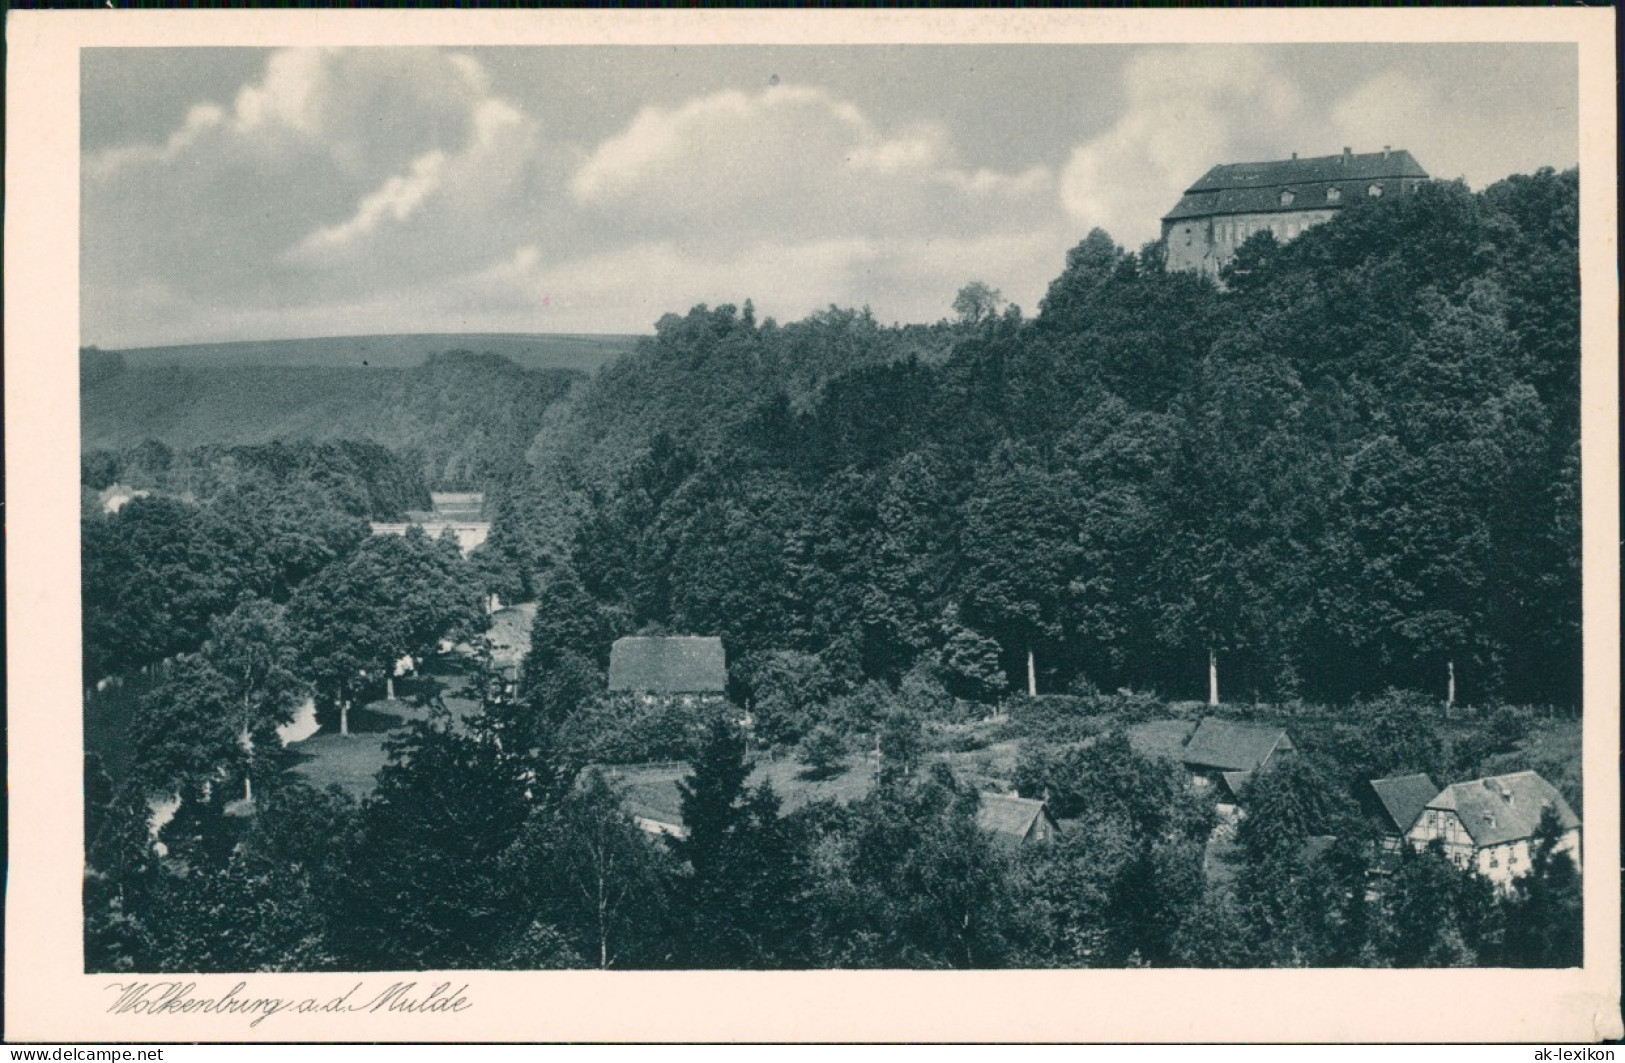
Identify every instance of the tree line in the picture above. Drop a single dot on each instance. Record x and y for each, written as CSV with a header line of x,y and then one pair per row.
x,y
1353,466
483,849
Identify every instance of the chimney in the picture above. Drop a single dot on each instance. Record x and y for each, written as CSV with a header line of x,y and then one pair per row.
x,y
1294,156
1347,155
1386,149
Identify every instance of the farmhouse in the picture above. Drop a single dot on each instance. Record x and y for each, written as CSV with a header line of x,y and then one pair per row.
x,y
459,511
1401,799
1233,201
1225,755
1488,825
690,667
458,505
1014,821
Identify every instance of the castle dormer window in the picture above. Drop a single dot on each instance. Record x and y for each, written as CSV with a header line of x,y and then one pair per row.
x,y
1374,191
1287,196
1333,195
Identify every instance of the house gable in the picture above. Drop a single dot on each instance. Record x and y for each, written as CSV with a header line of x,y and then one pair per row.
x,y
1403,798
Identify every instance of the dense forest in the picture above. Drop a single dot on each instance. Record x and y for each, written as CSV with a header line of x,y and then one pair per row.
x,y
1343,485
1354,467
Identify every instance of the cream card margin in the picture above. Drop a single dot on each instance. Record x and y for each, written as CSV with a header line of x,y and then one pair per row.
x,y
47,997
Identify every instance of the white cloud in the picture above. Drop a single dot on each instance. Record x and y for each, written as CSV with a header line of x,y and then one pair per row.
x,y
351,103
1391,108
1185,109
200,120
399,198
332,175
290,94
629,288
799,162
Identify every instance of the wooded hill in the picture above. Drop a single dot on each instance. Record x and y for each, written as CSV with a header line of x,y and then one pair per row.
x,y
464,419
1353,466
585,352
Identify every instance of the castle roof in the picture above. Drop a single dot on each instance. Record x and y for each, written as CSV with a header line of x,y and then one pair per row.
x,y
1258,187
675,664
1504,808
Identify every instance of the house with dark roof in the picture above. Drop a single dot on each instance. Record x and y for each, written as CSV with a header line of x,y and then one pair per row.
x,y
458,505
689,667
1232,201
1401,800
1224,755
1488,825
459,512
1014,821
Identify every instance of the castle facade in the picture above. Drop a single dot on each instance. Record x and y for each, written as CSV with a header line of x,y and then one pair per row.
x,y
1233,201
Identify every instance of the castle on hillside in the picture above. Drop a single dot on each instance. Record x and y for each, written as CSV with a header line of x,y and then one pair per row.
x,y
1233,201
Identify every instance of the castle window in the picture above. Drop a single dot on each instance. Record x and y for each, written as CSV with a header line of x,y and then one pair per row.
x,y
1374,191
1287,197
1333,195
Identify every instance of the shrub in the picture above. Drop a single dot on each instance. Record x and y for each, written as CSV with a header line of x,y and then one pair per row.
x,y
823,752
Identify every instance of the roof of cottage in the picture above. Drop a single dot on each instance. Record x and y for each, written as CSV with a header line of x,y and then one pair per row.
x,y
668,664
1504,808
1404,797
1231,746
1007,816
1257,187
457,505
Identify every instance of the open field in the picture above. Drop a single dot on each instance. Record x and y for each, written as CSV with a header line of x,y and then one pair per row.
x,y
533,350
650,790
351,762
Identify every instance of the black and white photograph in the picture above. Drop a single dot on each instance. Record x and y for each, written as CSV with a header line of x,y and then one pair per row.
x,y
831,507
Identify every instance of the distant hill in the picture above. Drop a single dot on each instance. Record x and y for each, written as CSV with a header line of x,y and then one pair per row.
x,y
464,419
581,351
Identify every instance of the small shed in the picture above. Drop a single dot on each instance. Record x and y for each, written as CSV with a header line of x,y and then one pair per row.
x,y
1226,754
1228,745
1015,821
668,664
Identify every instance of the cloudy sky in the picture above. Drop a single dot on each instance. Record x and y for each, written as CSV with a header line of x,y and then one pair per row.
x,y
254,194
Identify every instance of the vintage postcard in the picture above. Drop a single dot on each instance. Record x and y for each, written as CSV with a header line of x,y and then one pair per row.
x,y
1064,526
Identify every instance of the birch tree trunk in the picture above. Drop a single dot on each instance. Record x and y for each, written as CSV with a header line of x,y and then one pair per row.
x,y
246,740
1450,688
344,718
389,687
1032,674
1212,677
